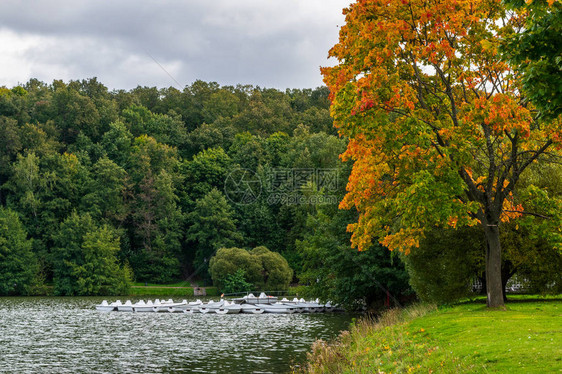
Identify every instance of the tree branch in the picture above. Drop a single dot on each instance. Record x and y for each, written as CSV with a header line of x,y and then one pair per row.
x,y
528,213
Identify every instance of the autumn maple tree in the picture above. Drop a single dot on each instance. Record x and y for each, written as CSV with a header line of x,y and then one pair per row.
x,y
438,127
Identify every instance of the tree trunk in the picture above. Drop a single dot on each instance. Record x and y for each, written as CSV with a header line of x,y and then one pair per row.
x,y
494,285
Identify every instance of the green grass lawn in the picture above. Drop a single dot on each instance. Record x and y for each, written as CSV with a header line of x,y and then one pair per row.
x,y
178,284
468,338
184,289
180,289
160,291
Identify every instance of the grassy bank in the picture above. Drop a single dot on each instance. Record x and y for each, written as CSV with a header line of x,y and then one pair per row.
x,y
465,338
171,290
183,289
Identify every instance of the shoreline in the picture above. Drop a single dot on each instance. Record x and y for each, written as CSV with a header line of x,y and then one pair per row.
x,y
465,337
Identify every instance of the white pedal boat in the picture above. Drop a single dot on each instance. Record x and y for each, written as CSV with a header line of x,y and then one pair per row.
x,y
252,309
211,306
229,308
127,307
261,299
279,308
105,307
185,307
164,306
142,307
311,306
295,303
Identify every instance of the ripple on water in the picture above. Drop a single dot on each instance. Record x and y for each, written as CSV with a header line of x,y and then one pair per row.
x,y
67,335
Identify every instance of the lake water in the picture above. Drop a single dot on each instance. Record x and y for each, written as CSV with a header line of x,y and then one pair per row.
x,y
68,335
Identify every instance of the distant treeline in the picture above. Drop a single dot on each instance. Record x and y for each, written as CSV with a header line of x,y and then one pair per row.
x,y
101,186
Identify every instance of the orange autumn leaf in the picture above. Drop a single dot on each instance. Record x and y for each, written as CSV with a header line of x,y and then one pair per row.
x,y
435,119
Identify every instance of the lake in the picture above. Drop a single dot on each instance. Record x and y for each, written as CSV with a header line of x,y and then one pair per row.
x,y
68,335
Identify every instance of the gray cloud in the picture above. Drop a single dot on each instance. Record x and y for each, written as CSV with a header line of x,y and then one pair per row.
x,y
271,43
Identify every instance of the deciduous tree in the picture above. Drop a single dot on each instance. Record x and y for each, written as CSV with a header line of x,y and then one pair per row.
x,y
439,130
85,259
334,271
18,265
212,227
537,54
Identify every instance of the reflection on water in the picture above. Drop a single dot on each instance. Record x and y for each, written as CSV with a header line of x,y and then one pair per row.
x,y
67,335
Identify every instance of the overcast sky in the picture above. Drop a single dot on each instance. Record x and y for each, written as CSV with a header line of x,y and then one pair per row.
x,y
125,43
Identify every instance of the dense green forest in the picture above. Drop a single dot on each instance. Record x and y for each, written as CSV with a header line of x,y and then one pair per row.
x,y
102,187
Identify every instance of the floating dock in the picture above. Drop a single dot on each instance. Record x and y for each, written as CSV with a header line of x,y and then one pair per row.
x,y
247,304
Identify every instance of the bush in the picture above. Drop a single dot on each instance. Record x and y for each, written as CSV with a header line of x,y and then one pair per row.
x,y
228,260
442,268
260,267
276,271
236,282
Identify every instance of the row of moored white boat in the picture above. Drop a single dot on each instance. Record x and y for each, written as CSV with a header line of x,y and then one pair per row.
x,y
247,304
